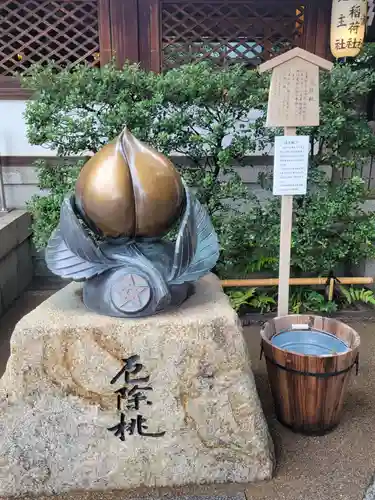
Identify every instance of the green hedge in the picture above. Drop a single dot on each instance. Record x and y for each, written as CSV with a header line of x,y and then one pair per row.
x,y
193,110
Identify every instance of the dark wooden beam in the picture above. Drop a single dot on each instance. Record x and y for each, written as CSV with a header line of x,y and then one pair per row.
x,y
149,34
105,39
370,34
28,161
124,30
10,88
317,28
323,28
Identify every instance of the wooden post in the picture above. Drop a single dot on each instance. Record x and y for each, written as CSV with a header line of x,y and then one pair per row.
x,y
150,34
286,221
285,250
331,289
293,102
104,19
124,30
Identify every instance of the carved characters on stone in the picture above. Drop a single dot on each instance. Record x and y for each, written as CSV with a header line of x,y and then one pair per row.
x,y
112,231
130,396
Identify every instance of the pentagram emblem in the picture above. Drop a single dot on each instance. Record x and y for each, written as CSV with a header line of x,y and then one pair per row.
x,y
130,293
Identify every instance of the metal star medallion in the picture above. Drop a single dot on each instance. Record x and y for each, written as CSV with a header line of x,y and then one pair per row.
x,y
130,293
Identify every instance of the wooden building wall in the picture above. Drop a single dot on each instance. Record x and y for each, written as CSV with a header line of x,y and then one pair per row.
x,y
158,34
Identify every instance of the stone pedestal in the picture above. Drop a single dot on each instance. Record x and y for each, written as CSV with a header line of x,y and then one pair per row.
x,y
193,415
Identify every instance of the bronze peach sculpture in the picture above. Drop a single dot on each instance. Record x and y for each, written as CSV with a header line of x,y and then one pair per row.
x,y
111,232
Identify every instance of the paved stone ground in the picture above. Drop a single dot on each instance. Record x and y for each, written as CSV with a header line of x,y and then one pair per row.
x,y
340,465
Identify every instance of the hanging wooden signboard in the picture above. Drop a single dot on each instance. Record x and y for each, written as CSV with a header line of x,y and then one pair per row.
x,y
294,93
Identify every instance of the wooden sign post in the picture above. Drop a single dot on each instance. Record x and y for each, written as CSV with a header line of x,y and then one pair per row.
x,y
293,102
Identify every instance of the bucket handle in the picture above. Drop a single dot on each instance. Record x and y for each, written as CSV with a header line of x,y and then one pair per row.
x,y
311,374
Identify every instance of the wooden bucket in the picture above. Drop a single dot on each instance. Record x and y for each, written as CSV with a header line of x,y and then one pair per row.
x,y
309,390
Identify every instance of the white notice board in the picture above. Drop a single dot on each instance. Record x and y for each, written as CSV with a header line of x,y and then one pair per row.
x,y
290,165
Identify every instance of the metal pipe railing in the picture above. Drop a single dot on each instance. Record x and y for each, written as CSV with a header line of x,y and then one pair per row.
x,y
3,206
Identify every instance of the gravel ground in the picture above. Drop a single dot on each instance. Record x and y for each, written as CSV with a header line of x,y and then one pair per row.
x,y
340,465
370,493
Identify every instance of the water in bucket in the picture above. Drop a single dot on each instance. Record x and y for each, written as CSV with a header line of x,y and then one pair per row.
x,y
309,342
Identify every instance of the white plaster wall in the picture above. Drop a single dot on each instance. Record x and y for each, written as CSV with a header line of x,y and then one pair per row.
x,y
21,182
13,139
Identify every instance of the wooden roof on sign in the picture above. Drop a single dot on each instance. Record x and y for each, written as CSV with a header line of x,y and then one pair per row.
x,y
292,54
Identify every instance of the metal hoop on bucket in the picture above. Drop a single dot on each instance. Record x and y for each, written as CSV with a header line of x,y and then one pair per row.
x,y
312,374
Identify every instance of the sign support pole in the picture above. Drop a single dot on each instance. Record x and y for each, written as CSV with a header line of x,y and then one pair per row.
x,y
285,246
3,207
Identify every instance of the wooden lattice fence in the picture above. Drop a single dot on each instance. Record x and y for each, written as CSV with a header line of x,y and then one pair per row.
x,y
240,31
40,31
159,34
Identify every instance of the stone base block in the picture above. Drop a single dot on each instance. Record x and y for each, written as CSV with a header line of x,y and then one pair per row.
x,y
16,270
92,402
